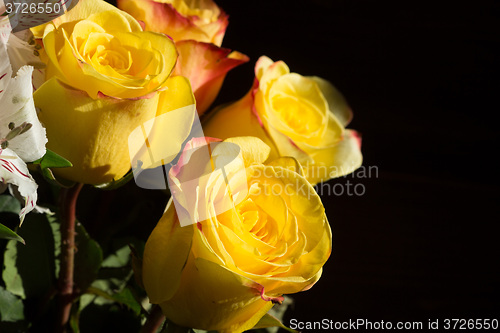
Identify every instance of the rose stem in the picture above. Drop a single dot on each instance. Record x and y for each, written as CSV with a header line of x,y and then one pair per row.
x,y
65,282
154,321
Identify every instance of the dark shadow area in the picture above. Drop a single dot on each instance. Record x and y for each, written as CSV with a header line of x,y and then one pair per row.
x,y
421,241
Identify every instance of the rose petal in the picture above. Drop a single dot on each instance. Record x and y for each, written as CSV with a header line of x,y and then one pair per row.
x,y
237,119
168,130
83,10
228,301
163,17
69,65
336,101
206,66
253,149
107,122
336,161
162,277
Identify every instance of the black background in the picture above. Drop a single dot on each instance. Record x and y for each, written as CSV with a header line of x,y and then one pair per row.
x,y
422,242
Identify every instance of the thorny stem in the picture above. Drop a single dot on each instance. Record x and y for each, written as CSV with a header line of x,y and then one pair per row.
x,y
65,282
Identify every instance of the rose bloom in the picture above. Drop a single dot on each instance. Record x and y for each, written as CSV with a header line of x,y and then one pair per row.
x,y
225,272
202,21
298,116
197,28
105,76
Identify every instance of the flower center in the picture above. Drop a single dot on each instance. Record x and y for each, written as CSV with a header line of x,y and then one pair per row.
x,y
255,220
106,54
110,58
297,114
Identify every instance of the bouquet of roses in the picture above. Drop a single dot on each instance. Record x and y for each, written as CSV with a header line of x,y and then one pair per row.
x,y
112,102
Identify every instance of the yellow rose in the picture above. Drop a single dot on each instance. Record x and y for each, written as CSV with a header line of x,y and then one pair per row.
x,y
104,77
302,117
202,21
224,273
197,28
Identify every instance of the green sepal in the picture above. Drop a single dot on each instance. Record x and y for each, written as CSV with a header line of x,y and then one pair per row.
x,y
271,321
114,184
52,160
49,176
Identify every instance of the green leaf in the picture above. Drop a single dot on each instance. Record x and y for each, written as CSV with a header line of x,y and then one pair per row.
x,y
53,160
271,321
124,297
115,272
118,259
11,306
11,277
114,184
88,258
6,233
74,319
56,232
9,204
29,270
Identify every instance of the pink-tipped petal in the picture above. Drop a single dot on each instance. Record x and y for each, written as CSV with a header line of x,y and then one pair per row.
x,y
206,66
160,16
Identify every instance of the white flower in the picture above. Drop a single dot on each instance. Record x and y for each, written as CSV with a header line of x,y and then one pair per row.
x,y
22,136
17,107
14,171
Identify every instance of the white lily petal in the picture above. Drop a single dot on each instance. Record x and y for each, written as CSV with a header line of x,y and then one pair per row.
x,y
24,35
14,171
18,107
5,27
21,54
5,68
43,210
16,96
